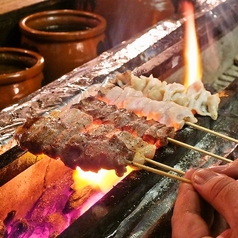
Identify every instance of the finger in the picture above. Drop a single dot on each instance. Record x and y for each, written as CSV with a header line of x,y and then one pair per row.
x,y
220,191
227,234
230,169
186,219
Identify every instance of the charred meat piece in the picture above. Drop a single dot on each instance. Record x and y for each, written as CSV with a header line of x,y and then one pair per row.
x,y
150,130
102,146
37,137
93,153
39,134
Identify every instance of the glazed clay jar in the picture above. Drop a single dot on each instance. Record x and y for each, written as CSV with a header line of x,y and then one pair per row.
x,y
20,74
65,38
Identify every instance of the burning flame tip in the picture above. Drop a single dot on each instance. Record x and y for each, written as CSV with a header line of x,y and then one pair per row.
x,y
104,179
193,65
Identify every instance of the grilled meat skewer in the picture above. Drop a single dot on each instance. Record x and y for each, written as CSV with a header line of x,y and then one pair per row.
x,y
150,130
165,112
39,134
72,136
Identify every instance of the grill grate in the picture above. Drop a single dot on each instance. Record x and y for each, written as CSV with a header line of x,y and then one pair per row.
x,y
227,77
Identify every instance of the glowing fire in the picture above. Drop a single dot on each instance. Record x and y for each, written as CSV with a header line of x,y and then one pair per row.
x,y
193,65
101,182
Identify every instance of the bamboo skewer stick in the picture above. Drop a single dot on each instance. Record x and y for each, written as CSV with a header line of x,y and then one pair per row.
x,y
159,172
211,132
162,173
199,150
164,166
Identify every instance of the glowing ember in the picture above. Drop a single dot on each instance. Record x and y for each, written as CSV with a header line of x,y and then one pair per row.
x,y
193,65
101,182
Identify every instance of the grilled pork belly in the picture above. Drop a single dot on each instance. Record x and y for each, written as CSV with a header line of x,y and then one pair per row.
x,y
72,136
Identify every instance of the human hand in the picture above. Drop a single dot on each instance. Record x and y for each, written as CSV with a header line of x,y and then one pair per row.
x,y
209,206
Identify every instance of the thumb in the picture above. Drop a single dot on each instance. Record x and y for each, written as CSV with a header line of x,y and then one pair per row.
x,y
220,191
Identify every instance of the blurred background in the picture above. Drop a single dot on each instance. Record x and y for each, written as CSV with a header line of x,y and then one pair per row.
x,y
125,18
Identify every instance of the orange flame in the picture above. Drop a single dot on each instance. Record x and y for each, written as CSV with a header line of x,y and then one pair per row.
x,y
193,65
102,181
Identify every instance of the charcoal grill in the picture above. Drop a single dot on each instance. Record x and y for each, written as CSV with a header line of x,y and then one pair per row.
x,y
141,204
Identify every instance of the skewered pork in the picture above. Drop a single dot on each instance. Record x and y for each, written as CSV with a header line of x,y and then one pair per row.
x,y
167,113
196,97
150,130
72,136
107,131
39,134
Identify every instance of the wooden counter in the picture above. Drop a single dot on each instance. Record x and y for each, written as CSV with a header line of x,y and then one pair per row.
x,y
12,5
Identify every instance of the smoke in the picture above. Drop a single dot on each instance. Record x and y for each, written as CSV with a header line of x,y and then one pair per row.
x,y
221,46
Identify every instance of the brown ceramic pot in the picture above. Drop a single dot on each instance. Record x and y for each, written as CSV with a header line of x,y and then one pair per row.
x,y
65,38
20,74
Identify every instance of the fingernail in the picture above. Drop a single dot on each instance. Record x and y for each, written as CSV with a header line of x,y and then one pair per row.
x,y
219,168
203,175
